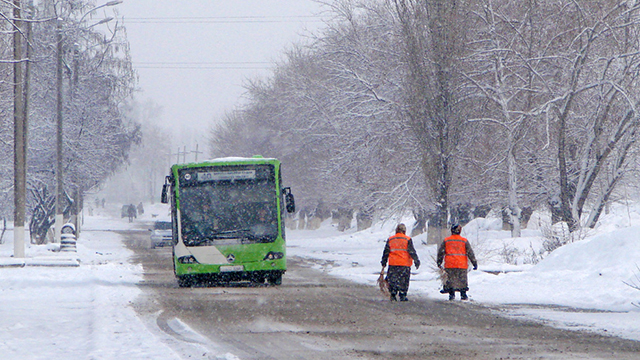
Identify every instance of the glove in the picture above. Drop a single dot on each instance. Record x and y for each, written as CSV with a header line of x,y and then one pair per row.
x,y
475,267
417,264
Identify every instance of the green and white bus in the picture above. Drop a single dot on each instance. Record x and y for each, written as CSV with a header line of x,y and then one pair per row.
x,y
228,220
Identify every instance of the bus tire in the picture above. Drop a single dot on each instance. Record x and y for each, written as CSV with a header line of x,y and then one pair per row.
x,y
275,278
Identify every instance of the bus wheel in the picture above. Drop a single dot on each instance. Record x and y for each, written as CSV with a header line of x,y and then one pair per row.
x,y
275,278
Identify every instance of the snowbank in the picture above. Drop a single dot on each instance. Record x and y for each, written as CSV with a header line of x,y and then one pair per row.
x,y
590,274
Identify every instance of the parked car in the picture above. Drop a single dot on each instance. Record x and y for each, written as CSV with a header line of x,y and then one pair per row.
x,y
161,234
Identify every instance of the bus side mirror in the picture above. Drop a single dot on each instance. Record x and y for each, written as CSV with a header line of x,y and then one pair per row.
x,y
164,198
290,202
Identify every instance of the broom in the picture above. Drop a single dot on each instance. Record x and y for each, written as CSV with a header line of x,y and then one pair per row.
x,y
442,275
383,284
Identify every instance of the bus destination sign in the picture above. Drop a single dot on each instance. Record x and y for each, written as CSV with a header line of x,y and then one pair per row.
x,y
226,175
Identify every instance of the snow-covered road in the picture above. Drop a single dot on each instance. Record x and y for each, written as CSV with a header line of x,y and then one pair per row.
x,y
84,312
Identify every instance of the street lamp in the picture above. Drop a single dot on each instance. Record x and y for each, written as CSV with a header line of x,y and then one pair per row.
x,y
109,3
59,219
103,21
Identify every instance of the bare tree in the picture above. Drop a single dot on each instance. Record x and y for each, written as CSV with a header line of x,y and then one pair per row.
x,y
504,69
98,78
372,113
433,36
595,100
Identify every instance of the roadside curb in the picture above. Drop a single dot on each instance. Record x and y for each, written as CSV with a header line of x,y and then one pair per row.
x,y
49,261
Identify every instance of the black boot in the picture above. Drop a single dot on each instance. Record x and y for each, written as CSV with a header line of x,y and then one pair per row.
x,y
452,295
403,296
463,295
393,296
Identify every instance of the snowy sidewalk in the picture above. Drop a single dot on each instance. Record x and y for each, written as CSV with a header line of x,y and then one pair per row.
x,y
74,312
48,260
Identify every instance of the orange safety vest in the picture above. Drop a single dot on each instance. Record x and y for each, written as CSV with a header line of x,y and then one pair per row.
x,y
455,252
398,250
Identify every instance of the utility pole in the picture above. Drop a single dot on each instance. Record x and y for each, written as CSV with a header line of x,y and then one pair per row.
x,y
60,193
177,154
196,152
27,77
59,185
19,138
79,201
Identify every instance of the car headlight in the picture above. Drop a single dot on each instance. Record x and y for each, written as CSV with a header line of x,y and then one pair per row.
x,y
272,255
187,259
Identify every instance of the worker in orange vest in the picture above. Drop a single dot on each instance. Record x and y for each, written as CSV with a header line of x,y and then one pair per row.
x,y
401,254
456,253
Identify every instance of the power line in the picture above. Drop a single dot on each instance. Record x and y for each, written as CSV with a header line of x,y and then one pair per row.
x,y
201,67
202,62
219,65
222,19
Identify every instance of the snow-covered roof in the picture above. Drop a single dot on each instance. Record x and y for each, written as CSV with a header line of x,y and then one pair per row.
x,y
232,159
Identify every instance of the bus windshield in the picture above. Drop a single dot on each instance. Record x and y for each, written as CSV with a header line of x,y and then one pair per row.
x,y
228,208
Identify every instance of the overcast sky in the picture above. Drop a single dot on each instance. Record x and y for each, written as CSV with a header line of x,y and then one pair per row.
x,y
192,57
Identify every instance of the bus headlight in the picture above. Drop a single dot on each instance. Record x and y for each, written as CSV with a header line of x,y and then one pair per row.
x,y
272,255
187,259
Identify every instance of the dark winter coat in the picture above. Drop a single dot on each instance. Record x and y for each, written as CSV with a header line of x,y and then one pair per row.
x,y
131,211
398,278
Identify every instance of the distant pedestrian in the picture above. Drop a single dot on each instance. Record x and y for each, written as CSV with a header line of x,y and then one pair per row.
x,y
401,254
140,208
131,212
456,253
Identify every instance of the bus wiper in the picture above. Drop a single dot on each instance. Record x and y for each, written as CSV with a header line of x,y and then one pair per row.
x,y
211,236
226,233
